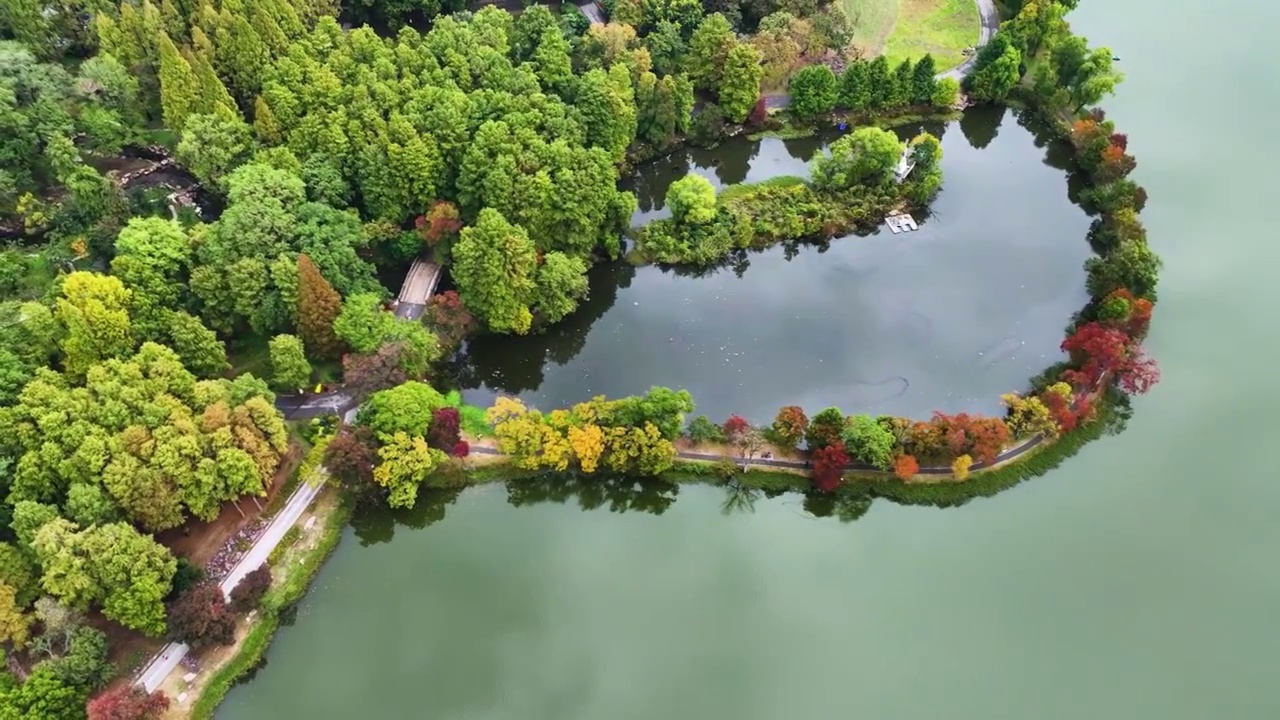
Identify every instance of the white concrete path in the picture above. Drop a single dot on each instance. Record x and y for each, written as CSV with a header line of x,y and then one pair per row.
x,y
170,655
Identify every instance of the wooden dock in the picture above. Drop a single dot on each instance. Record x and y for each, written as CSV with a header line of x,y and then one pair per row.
x,y
901,223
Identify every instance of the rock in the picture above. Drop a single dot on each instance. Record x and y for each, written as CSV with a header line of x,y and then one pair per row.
x,y
311,522
182,698
188,677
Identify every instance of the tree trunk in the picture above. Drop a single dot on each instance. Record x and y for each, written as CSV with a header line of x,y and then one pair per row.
x,y
236,505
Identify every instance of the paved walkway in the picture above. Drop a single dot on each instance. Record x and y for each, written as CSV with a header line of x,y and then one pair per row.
x,y
170,655
1005,456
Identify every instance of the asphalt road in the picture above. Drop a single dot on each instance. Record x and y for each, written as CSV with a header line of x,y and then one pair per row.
x,y
990,19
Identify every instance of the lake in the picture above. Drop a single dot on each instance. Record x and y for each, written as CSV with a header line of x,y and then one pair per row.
x,y
1136,582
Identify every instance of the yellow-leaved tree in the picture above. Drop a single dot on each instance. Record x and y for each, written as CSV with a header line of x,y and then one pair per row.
x,y
588,445
405,464
960,467
1028,416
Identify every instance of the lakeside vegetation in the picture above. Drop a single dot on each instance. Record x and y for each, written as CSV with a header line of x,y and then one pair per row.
x,y
494,143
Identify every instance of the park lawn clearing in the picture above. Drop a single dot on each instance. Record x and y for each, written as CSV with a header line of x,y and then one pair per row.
x,y
872,22
942,28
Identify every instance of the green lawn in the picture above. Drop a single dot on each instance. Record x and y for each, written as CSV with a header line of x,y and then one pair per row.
x,y
872,22
940,27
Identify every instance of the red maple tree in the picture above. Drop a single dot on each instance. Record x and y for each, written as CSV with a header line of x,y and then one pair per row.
x,y
461,449
828,466
127,702
1096,350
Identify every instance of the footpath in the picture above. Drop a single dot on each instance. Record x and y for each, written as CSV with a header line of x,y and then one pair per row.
x,y
165,661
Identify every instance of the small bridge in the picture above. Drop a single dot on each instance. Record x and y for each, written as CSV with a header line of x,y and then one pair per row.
x,y
594,12
419,285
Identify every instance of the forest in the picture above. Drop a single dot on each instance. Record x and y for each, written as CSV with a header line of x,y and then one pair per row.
x,y
207,203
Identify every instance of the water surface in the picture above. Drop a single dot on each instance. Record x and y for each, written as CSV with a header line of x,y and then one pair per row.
x,y
1138,582
945,318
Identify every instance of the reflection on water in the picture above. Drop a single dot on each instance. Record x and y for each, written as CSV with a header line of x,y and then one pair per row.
x,y
947,318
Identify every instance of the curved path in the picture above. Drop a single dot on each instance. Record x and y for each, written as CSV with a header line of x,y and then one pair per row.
x,y
1007,455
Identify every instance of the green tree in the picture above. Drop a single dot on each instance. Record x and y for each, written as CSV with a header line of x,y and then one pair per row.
x,y
813,91
881,85
42,695
868,441
1132,265
89,504
363,323
318,306
178,85
867,156
551,61
923,81
1088,75
855,86
994,80
692,200
197,346
926,175
112,566
667,47
406,408
561,284
94,314
289,367
740,84
495,265
708,51
212,145
17,571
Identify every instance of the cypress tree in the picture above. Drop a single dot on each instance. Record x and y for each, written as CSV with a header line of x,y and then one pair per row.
x,y
855,86
902,84
880,83
178,85
923,82
265,125
318,306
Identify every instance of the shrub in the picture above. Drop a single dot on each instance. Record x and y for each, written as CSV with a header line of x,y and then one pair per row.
x,y
246,595
960,467
186,576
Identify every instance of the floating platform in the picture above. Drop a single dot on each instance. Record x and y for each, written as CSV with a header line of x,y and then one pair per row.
x,y
901,223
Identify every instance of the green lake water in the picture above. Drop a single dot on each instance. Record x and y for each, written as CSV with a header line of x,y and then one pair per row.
x,y
1136,582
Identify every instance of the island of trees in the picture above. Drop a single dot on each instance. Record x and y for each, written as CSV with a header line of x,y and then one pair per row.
x,y
200,200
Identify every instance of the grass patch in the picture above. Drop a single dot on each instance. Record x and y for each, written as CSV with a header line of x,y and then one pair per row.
x,y
872,22
939,27
471,417
225,677
747,189
786,132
